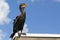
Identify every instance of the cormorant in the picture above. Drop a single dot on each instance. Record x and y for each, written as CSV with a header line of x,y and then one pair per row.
x,y
19,21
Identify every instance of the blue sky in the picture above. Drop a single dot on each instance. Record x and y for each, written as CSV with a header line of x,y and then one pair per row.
x,y
42,16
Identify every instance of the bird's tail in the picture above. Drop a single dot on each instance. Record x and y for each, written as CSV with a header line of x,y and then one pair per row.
x,y
12,35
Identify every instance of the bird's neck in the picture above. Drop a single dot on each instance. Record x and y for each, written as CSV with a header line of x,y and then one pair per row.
x,y
22,11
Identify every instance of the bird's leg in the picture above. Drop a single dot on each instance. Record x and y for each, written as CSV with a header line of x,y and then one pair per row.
x,y
21,31
19,34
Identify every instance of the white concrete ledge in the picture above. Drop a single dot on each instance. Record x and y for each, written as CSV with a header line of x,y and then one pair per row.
x,y
41,35
38,35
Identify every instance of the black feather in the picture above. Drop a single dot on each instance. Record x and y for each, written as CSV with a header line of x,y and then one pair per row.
x,y
12,35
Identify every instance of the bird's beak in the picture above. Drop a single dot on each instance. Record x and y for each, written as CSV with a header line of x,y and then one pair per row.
x,y
24,5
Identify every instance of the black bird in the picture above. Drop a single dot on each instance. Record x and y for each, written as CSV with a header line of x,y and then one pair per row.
x,y
19,21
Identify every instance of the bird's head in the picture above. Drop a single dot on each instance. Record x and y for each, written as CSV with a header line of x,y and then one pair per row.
x,y
22,6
